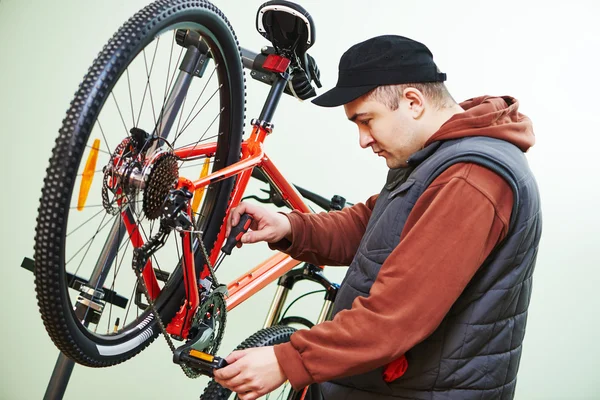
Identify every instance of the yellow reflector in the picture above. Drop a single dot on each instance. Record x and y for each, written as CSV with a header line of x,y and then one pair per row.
x,y
201,355
199,193
88,175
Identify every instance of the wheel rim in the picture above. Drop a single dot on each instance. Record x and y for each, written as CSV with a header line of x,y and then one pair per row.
x,y
120,112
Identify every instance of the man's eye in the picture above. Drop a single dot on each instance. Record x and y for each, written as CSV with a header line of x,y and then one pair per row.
x,y
365,122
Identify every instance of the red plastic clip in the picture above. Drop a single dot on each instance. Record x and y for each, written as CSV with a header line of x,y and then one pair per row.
x,y
275,63
395,369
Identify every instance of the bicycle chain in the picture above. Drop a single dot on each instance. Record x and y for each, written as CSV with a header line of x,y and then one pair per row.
x,y
138,265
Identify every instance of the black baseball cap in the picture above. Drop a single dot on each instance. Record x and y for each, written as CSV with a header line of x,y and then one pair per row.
x,y
382,60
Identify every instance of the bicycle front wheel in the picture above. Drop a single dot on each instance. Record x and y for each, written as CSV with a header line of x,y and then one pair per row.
x,y
87,293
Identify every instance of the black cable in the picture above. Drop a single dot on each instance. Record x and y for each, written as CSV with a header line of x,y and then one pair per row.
x,y
295,300
218,263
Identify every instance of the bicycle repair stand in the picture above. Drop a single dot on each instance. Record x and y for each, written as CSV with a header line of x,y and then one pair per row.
x,y
64,366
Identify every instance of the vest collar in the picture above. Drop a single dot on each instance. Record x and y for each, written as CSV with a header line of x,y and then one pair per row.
x,y
397,176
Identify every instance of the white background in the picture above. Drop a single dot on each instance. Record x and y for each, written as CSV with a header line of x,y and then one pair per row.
x,y
543,53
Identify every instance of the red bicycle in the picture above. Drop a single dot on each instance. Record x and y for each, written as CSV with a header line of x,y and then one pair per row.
x,y
147,165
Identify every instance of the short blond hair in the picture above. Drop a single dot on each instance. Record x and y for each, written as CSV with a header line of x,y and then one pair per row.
x,y
390,95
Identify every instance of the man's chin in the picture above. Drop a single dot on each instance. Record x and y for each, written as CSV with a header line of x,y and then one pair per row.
x,y
393,164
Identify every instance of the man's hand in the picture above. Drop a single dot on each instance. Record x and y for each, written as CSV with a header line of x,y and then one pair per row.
x,y
268,226
251,373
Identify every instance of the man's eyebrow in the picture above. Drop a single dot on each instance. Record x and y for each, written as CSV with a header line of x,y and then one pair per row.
x,y
356,115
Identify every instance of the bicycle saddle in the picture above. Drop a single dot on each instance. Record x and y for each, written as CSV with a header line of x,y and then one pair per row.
x,y
288,26
291,30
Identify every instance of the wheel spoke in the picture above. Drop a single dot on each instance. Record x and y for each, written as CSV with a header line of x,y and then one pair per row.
x,y
101,205
200,110
196,165
196,143
104,136
177,249
123,247
151,227
101,151
179,120
149,74
169,82
185,123
112,286
130,98
90,239
108,319
125,244
131,301
207,129
147,87
95,172
115,273
120,114
88,220
81,262
133,207
168,89
173,39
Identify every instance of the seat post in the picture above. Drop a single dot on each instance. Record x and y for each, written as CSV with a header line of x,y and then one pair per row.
x,y
273,98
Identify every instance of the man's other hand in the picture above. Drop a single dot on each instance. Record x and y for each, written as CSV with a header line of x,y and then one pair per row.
x,y
251,373
268,226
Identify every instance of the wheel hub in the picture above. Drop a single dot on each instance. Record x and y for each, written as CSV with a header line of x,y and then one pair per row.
x,y
130,171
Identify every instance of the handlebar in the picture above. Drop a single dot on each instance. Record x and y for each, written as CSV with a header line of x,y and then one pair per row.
x,y
335,203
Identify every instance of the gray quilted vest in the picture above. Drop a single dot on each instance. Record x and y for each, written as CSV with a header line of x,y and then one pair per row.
x,y
475,352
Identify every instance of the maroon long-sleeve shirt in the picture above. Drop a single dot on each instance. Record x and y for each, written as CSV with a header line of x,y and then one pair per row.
x,y
451,230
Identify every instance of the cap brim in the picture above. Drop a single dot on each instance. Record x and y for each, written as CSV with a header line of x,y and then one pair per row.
x,y
341,95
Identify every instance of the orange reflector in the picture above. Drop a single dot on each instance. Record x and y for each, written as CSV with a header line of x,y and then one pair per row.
x,y
88,175
201,355
199,193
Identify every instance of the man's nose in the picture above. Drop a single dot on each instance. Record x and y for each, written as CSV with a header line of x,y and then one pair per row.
x,y
365,139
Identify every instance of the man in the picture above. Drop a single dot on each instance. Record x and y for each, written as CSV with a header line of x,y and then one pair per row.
x,y
435,301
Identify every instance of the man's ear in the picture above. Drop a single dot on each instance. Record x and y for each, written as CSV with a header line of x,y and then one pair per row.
x,y
415,101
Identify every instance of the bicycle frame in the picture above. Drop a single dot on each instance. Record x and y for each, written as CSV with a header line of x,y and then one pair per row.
x,y
240,289
253,156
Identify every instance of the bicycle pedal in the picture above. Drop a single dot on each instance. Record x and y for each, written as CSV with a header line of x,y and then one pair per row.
x,y
203,362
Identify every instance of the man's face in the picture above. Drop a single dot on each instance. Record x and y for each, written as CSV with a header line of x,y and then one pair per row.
x,y
392,134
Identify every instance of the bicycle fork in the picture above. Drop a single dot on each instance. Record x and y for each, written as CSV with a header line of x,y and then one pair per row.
x,y
286,283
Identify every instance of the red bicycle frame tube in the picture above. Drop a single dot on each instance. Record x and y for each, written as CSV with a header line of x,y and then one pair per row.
x,y
251,282
253,155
